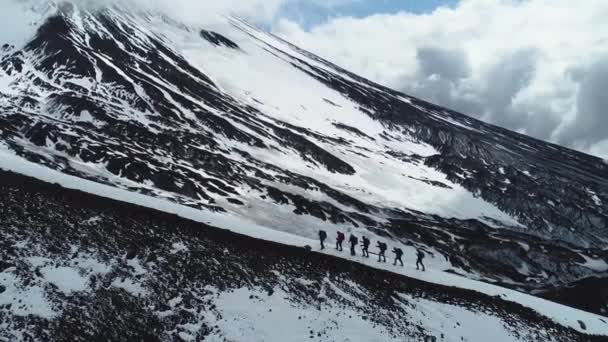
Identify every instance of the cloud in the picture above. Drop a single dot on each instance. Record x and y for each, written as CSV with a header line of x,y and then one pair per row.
x,y
20,17
537,66
451,64
589,126
18,20
193,10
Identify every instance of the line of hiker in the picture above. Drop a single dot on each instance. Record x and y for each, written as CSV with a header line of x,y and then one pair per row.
x,y
365,243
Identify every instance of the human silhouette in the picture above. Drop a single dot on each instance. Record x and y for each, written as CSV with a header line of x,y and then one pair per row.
x,y
339,240
322,237
398,253
420,256
365,248
382,249
353,243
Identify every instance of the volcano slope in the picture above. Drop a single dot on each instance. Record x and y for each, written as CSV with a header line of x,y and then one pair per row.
x,y
77,267
238,123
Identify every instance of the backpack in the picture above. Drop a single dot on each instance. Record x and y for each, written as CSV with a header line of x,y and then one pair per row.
x,y
340,236
420,254
322,234
365,241
354,240
382,246
398,251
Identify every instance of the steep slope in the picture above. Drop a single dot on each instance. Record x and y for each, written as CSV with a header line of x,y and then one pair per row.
x,y
235,121
76,267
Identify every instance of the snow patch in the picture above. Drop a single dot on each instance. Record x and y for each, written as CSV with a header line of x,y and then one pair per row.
x,y
457,323
252,315
136,265
93,220
598,265
67,279
524,245
178,247
24,300
594,197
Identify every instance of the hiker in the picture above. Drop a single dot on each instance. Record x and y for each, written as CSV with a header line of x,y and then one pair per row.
x,y
398,253
365,245
420,256
353,243
322,237
382,247
339,240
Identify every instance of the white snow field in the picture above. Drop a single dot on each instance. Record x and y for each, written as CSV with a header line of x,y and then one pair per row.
x,y
264,318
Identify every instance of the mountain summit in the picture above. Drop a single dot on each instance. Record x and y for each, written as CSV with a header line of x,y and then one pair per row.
x,y
237,128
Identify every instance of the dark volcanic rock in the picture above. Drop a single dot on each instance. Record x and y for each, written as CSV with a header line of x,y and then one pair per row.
x,y
590,294
218,39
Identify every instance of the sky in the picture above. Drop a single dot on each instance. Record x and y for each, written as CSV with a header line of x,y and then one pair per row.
x,y
538,67
310,13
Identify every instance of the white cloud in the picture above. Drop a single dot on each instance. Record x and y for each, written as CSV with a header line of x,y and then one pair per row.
x,y
600,149
19,16
532,66
18,20
193,10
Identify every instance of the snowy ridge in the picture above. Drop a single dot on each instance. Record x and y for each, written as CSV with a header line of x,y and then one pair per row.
x,y
563,315
324,304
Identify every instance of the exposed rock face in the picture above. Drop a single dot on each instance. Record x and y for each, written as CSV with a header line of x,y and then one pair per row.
x,y
218,40
249,125
589,294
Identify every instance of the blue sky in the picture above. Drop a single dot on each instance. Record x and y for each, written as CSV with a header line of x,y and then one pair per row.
x,y
313,12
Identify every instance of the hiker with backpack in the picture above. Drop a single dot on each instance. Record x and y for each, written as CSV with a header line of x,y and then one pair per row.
x,y
365,248
382,247
353,243
398,253
420,255
339,240
322,237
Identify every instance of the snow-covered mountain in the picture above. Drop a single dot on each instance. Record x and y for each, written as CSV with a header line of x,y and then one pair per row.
x,y
232,126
